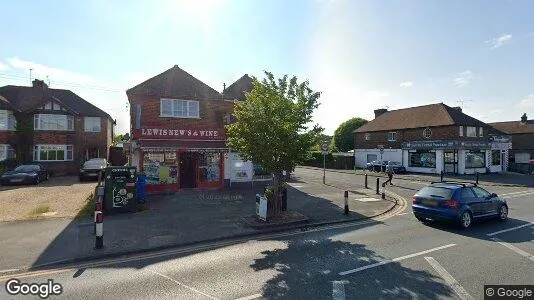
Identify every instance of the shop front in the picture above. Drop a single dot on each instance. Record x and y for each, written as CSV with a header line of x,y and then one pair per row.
x,y
187,158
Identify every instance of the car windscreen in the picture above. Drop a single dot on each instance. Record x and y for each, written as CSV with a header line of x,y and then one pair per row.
x,y
94,164
435,192
27,168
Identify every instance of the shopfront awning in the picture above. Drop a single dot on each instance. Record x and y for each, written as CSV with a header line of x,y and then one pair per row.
x,y
173,145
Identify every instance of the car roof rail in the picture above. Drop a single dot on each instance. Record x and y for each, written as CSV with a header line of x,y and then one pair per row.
x,y
464,184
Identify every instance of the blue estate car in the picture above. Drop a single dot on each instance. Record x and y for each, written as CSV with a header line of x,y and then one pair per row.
x,y
460,203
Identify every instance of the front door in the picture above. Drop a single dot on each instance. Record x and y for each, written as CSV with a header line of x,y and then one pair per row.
x,y
503,156
209,170
188,170
450,162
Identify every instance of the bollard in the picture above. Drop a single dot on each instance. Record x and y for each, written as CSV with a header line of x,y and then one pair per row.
x,y
98,209
99,238
346,202
366,181
384,191
477,177
441,176
378,186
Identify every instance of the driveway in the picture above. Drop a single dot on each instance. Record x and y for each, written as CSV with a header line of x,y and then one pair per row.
x,y
57,197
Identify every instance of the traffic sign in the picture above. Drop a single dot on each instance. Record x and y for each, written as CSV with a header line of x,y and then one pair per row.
x,y
324,146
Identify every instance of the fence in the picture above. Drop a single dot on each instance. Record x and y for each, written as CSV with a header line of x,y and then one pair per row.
x,y
521,168
332,161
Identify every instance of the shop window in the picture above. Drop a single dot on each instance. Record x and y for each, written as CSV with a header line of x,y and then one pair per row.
x,y
471,131
496,157
475,160
161,167
372,157
209,167
422,159
392,136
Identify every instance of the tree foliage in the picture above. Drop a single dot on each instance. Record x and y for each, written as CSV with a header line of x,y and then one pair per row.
x,y
343,139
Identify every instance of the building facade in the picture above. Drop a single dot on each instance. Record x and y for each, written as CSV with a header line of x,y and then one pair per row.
x,y
56,128
431,139
178,133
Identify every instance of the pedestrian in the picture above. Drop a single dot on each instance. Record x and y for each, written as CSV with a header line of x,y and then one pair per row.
x,y
389,170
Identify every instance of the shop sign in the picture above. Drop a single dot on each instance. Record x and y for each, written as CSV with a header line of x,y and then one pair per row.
x,y
499,139
430,145
170,133
475,145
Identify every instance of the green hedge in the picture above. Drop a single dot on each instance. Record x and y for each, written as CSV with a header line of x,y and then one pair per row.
x,y
332,161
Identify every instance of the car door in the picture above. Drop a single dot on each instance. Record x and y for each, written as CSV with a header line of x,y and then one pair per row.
x,y
469,197
486,202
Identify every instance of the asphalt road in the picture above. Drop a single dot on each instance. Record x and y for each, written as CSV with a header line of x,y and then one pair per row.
x,y
393,257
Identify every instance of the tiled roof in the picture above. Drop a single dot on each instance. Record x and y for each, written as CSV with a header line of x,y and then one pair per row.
x,y
430,115
236,91
176,83
25,98
514,127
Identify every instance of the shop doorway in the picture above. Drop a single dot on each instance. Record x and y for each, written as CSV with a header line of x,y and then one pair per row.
x,y
188,170
450,162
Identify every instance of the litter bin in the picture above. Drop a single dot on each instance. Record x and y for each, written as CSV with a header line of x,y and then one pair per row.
x,y
141,185
284,198
120,193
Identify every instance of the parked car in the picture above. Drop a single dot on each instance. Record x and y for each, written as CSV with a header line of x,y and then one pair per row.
x,y
377,166
92,168
30,173
460,203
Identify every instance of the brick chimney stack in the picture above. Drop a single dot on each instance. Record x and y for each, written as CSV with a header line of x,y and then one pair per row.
x,y
524,118
380,111
39,84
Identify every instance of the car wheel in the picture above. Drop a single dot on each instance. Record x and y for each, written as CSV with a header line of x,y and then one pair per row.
x,y
466,220
421,219
36,180
47,176
503,213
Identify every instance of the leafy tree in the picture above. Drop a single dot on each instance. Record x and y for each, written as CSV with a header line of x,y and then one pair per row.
x,y
319,141
273,126
23,140
343,139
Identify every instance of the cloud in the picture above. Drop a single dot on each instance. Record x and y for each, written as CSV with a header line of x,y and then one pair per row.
x,y
527,102
406,84
464,78
377,94
499,41
4,67
54,74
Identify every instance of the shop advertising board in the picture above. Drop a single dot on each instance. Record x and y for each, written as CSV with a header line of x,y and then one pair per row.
x,y
179,133
240,170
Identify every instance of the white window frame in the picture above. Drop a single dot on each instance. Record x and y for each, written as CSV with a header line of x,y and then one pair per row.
x,y
92,121
427,133
69,122
6,152
481,131
67,152
461,131
367,136
392,136
174,108
8,118
471,131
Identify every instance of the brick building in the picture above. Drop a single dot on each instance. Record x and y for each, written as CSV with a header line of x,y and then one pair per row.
x,y
62,129
522,133
177,130
430,139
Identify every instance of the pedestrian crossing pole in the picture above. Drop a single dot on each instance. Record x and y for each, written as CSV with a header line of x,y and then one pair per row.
x,y
324,148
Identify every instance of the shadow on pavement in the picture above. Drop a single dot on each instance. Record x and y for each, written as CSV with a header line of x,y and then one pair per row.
x,y
308,269
50,183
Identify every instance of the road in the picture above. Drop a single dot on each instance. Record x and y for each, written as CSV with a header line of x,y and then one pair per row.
x,y
392,257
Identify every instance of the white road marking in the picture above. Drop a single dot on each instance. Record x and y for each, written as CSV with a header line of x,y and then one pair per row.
x,y
515,249
9,270
510,229
338,290
181,284
521,192
402,214
395,259
460,291
251,297
520,195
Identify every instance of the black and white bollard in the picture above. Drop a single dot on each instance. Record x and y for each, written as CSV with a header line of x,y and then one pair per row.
x,y
98,209
346,202
441,176
366,181
99,238
378,185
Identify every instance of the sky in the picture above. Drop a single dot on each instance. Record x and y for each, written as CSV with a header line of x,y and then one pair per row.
x,y
361,55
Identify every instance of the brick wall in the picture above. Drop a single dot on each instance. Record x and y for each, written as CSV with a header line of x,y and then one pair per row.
x,y
415,134
6,137
211,113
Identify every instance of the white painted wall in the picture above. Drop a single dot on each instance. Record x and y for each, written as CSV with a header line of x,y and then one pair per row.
x,y
461,161
389,154
135,159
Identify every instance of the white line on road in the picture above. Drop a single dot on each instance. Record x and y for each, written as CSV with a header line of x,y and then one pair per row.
x,y
402,214
251,297
338,290
460,291
181,284
521,192
520,195
510,229
515,249
395,259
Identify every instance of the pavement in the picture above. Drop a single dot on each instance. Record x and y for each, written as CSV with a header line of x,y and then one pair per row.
x,y
389,257
491,179
187,217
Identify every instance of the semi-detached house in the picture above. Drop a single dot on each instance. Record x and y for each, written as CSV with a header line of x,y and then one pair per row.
x,y
431,139
65,129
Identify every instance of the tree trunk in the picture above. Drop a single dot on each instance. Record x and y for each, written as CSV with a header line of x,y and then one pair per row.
x,y
277,185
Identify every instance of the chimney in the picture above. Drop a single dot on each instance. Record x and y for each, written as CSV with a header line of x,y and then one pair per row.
x,y
39,84
524,118
224,87
380,111
459,108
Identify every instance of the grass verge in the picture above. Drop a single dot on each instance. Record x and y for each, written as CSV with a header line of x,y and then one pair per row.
x,y
41,209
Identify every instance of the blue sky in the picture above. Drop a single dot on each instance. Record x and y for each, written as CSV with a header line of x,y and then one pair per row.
x,y
361,55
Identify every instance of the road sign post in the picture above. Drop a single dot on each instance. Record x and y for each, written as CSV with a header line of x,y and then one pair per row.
x,y
324,148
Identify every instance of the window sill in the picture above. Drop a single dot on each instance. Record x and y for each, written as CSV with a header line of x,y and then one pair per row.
x,y
92,131
172,117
